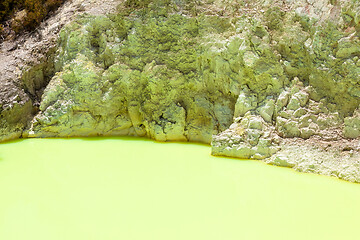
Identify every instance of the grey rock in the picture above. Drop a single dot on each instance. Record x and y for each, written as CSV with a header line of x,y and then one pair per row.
x,y
306,119
244,152
287,128
244,103
352,126
253,136
306,132
323,122
267,111
300,112
293,104
288,114
255,123
303,97
282,161
282,100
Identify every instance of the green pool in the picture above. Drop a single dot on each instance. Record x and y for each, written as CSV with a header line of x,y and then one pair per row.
x,y
136,189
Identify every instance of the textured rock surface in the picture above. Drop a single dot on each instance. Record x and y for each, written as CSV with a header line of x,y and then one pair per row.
x,y
26,65
119,76
249,137
341,160
352,125
257,78
209,58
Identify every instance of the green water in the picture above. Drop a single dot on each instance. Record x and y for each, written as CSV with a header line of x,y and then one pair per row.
x,y
132,189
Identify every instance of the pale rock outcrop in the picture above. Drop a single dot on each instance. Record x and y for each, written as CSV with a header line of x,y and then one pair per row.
x,y
249,137
245,103
267,111
308,157
27,64
352,125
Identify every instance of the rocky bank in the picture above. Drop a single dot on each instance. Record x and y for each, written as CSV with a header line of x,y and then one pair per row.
x,y
278,82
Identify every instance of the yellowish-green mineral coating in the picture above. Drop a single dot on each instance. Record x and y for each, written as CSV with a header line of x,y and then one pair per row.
x,y
159,70
123,188
250,77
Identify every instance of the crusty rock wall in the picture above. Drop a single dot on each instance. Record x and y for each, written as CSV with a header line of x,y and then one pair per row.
x,y
27,65
144,77
260,79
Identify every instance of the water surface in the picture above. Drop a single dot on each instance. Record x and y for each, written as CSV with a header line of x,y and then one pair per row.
x,y
135,189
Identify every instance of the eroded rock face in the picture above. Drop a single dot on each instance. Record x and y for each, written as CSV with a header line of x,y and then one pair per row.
x,y
249,137
15,111
112,80
249,78
27,64
179,77
342,161
352,125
